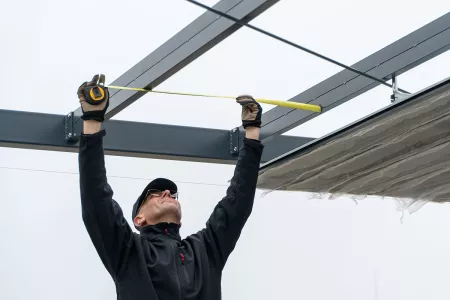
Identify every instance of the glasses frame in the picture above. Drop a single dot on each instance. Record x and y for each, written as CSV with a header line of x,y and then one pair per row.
x,y
149,192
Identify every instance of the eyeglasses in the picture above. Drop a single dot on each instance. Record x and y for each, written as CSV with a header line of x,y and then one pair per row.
x,y
159,193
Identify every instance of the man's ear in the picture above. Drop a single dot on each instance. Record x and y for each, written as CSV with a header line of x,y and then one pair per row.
x,y
138,220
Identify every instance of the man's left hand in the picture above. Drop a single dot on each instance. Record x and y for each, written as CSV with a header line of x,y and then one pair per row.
x,y
251,111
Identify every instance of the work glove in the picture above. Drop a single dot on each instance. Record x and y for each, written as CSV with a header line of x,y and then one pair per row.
x,y
251,111
90,111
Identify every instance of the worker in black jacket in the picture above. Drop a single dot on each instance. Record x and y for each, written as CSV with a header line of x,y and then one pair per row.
x,y
157,264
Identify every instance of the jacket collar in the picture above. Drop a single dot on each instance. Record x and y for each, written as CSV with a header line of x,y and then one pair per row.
x,y
162,229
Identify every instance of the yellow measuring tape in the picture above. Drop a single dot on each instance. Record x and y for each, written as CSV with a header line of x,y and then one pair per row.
x,y
290,104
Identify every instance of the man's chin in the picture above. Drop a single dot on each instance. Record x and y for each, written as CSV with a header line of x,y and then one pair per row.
x,y
171,207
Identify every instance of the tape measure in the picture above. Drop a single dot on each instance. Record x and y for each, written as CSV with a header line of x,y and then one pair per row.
x,y
98,93
283,103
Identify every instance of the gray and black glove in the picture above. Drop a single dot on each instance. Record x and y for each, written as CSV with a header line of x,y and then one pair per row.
x,y
251,111
93,111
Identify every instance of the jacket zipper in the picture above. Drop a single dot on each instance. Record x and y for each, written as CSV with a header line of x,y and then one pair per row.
x,y
176,271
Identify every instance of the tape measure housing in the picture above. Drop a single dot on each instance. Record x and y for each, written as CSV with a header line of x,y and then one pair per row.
x,y
94,95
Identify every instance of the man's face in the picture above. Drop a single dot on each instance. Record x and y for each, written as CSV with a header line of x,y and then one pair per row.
x,y
161,206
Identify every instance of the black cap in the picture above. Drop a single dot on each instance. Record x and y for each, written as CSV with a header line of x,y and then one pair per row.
x,y
156,184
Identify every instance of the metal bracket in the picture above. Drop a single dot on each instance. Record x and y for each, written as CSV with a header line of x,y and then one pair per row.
x,y
70,136
396,95
234,141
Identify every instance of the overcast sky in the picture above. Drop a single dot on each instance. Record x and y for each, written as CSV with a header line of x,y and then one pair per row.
x,y
294,246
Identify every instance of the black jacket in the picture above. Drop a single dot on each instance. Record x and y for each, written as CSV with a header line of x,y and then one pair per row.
x,y
157,264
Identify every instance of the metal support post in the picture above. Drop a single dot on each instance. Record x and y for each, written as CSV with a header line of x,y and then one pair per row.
x,y
396,94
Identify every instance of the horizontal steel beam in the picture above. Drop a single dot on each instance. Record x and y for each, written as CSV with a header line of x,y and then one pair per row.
x,y
397,58
191,42
30,130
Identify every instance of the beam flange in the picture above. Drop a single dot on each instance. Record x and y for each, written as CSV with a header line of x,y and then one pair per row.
x,y
410,51
184,47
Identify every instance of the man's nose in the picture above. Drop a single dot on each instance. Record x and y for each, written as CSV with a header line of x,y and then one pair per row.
x,y
168,193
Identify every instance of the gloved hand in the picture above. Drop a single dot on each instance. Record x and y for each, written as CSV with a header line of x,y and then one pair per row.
x,y
251,111
93,112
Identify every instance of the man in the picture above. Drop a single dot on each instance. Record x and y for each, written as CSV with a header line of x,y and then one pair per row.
x,y
157,264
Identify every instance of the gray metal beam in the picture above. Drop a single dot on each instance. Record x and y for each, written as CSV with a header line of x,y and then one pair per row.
x,y
397,58
30,130
195,39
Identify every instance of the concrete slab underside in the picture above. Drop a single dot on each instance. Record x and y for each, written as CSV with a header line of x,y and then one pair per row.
x,y
402,153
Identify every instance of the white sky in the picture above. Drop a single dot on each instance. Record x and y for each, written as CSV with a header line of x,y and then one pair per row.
x,y
293,247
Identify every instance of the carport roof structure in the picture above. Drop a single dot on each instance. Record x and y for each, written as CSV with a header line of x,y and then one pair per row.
x,y
283,164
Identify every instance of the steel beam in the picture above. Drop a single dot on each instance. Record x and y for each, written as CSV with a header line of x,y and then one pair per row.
x,y
395,59
194,40
30,130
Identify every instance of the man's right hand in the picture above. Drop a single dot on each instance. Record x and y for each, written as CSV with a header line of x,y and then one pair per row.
x,y
92,112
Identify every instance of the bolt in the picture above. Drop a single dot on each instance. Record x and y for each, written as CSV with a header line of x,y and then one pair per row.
x,y
235,149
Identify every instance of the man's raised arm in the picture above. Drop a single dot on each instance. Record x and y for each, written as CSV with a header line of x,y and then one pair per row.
x,y
102,216
225,224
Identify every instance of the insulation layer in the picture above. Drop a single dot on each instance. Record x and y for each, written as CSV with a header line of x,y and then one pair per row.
x,y
403,152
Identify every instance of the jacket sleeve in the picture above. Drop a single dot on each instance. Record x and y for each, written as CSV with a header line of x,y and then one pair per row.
x,y
102,216
228,218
